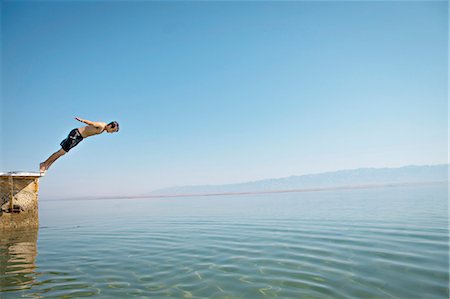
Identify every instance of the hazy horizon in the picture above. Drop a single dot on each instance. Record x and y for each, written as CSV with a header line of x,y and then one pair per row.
x,y
251,187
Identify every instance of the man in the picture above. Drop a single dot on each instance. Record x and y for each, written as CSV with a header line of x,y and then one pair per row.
x,y
76,136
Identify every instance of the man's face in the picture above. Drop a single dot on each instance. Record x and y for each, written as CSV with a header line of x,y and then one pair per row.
x,y
110,129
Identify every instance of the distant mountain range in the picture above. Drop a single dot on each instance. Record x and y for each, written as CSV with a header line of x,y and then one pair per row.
x,y
342,178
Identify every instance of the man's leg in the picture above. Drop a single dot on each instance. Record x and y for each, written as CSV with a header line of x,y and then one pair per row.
x,y
47,163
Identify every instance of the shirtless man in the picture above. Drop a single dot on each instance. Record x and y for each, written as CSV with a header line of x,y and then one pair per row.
x,y
76,136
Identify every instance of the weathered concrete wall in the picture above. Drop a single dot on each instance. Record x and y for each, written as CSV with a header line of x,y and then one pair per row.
x,y
24,212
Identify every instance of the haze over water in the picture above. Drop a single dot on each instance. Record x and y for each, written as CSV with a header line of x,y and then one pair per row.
x,y
371,243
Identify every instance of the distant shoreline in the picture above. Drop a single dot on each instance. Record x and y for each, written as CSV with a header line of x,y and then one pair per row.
x,y
300,190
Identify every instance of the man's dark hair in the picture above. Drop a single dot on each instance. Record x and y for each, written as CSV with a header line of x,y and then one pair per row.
x,y
114,124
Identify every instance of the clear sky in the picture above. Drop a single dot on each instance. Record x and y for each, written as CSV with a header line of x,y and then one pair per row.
x,y
220,92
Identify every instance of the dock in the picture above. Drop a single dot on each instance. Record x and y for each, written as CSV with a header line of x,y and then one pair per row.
x,y
19,200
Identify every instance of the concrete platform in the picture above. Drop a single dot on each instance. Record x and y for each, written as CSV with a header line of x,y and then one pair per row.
x,y
21,174
19,200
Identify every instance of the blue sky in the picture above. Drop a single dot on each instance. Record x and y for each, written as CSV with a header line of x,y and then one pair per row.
x,y
221,92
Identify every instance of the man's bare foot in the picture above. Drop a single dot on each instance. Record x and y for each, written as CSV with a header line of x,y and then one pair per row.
x,y
42,168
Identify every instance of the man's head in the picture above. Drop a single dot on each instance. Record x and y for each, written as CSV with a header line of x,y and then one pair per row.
x,y
112,127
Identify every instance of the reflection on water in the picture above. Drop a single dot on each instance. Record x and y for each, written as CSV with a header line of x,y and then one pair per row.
x,y
17,259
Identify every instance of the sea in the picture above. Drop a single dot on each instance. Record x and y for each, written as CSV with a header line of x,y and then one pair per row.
x,y
380,242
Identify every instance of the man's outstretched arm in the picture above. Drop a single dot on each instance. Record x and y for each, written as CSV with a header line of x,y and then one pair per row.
x,y
92,123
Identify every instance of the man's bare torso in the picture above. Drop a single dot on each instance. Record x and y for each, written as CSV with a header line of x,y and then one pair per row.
x,y
91,130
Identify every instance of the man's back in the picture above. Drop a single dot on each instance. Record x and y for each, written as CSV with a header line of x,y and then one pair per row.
x,y
92,130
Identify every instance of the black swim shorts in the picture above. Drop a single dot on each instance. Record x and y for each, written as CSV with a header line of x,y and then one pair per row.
x,y
72,140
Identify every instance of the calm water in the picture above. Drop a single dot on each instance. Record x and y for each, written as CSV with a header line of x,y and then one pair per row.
x,y
373,243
